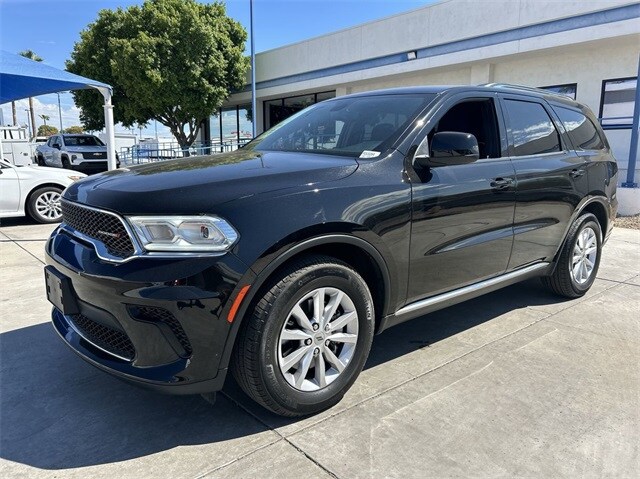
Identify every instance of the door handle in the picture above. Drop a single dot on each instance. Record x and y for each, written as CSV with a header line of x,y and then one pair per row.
x,y
577,173
501,183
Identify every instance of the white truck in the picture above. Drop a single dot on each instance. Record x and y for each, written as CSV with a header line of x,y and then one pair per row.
x,y
80,152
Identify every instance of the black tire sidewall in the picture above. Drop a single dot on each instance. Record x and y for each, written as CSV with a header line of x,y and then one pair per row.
x,y
328,275
588,221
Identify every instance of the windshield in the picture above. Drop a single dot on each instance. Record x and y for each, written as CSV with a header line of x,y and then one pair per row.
x,y
82,141
358,126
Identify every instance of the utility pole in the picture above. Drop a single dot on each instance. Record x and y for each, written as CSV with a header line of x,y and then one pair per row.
x,y
59,112
254,113
29,120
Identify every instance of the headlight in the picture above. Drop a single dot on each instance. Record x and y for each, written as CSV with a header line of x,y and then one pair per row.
x,y
183,233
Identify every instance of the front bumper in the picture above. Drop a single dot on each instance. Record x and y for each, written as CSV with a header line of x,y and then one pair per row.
x,y
157,322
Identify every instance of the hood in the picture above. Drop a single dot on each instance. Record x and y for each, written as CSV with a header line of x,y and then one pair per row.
x,y
197,185
86,149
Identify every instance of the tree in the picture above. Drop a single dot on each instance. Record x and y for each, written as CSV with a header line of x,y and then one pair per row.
x,y
174,61
45,118
47,130
74,130
31,55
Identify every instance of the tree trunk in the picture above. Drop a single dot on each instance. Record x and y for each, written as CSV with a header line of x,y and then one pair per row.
x,y
33,117
13,111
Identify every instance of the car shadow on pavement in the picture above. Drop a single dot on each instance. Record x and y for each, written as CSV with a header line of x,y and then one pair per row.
x,y
57,412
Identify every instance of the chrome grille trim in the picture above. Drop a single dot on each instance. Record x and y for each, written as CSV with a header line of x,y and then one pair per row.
x,y
102,249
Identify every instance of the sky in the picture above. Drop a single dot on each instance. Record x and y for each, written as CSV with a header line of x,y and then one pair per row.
x,y
51,27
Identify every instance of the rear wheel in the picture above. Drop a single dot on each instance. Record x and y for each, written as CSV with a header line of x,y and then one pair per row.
x,y
44,205
579,259
307,339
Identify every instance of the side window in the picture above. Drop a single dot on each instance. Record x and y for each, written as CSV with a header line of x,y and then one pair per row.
x,y
583,133
532,129
477,117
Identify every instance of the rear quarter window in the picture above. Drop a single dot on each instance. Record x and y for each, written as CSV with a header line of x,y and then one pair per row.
x,y
583,133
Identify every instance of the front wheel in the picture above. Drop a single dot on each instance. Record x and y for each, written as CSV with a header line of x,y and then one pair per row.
x,y
307,339
44,205
579,259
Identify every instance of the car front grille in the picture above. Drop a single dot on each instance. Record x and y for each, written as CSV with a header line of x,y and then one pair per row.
x,y
95,156
161,315
102,226
106,338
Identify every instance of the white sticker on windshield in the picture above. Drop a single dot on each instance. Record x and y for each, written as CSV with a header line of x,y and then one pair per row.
x,y
369,154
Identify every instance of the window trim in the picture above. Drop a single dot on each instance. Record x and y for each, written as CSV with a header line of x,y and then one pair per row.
x,y
614,126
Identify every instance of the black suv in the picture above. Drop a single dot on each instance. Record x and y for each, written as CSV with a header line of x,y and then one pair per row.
x,y
283,259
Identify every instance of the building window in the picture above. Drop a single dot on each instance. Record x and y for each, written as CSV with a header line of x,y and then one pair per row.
x,y
617,101
568,89
282,108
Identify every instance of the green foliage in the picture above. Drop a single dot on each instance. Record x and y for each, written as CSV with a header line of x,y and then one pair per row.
x,y
31,55
174,61
47,130
73,130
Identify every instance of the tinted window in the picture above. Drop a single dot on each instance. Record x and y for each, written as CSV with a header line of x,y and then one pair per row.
x,y
582,131
532,129
348,126
82,141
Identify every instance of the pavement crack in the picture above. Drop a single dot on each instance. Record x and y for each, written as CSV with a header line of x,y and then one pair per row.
x,y
282,437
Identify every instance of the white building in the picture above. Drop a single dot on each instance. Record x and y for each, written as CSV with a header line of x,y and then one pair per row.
x,y
588,49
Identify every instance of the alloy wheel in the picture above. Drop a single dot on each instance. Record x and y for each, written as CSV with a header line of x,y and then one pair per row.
x,y
48,205
585,253
318,339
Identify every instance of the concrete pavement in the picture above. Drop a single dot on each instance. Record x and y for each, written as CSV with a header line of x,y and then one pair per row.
x,y
517,383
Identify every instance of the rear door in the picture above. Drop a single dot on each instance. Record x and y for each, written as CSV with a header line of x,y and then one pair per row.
x,y
551,178
462,215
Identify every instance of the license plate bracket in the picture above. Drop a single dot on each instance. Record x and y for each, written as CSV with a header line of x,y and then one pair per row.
x,y
60,292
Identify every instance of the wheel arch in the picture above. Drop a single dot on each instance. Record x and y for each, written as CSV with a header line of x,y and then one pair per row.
x,y
356,252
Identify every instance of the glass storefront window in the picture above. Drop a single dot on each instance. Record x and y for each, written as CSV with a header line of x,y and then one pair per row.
x,y
229,124
282,108
214,129
245,126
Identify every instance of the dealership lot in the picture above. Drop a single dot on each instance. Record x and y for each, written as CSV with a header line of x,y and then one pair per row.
x,y
516,383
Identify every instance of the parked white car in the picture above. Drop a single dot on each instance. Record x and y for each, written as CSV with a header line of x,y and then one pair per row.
x,y
33,190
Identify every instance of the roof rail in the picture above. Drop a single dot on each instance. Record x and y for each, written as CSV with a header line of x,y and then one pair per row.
x,y
523,88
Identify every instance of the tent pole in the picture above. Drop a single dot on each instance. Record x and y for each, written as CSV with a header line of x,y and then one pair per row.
x,y
109,128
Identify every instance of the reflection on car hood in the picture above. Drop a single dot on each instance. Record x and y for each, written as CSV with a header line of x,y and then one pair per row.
x,y
196,185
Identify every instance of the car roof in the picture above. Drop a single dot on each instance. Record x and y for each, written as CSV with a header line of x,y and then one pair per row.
x,y
492,87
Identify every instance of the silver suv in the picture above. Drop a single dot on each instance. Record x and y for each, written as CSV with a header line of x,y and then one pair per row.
x,y
85,153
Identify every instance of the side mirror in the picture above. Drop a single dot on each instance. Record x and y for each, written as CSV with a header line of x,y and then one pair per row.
x,y
56,146
449,148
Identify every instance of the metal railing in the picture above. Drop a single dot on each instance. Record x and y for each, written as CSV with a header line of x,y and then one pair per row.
x,y
151,151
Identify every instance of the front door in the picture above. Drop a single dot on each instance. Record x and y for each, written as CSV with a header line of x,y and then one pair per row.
x,y
462,216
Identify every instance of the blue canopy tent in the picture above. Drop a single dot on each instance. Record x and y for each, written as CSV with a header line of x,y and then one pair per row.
x,y
22,78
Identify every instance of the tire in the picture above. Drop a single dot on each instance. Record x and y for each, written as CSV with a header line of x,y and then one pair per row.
x,y
261,353
65,163
41,161
569,279
44,205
